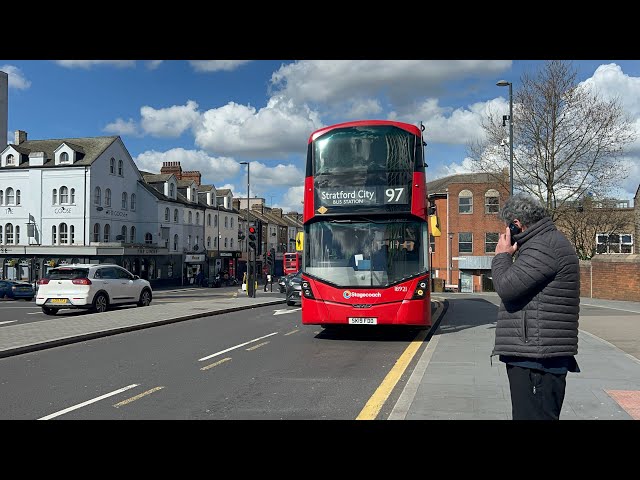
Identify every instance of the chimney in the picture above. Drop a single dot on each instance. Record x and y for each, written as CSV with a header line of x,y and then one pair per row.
x,y
192,175
21,137
4,108
277,211
172,167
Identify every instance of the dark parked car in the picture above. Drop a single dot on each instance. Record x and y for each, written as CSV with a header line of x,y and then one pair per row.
x,y
282,281
13,289
294,289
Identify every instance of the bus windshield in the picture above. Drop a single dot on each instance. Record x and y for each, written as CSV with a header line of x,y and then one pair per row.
x,y
362,253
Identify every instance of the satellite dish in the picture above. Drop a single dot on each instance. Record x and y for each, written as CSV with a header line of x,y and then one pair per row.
x,y
99,209
195,248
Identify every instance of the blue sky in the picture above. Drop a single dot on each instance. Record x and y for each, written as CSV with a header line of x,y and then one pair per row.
x,y
213,114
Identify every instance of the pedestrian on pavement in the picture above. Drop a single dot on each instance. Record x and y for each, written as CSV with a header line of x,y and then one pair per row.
x,y
265,273
536,273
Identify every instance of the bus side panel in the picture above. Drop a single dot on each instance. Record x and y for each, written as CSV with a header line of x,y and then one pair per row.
x,y
419,195
308,207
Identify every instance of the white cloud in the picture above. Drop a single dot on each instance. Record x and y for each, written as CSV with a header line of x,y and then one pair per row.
x,y
213,169
367,108
216,65
169,122
610,81
275,130
87,64
402,81
122,127
292,200
153,64
16,78
454,168
267,180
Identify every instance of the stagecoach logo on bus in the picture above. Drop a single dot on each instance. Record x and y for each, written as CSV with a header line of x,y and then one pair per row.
x,y
347,294
362,195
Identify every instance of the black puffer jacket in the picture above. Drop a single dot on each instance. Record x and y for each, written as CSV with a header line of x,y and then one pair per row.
x,y
540,293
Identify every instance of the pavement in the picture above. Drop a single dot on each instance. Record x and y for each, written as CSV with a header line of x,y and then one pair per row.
x,y
454,377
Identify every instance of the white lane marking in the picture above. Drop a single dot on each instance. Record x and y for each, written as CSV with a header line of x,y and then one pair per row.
x,y
233,348
611,308
35,313
88,402
8,321
288,310
21,308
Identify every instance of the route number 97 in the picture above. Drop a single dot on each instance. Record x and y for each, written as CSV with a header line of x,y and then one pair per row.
x,y
395,195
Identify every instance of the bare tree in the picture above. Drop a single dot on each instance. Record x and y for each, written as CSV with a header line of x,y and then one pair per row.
x,y
583,220
568,140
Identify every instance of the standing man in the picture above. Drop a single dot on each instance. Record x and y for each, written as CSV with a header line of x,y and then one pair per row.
x,y
537,276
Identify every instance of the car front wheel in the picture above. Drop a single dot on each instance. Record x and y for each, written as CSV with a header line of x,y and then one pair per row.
x,y
145,299
100,303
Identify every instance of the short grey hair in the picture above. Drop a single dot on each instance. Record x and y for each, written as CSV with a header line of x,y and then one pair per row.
x,y
523,207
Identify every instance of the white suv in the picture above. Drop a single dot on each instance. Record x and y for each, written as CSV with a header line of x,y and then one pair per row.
x,y
91,286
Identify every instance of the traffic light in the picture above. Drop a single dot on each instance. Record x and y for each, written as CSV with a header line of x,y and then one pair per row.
x,y
270,261
253,237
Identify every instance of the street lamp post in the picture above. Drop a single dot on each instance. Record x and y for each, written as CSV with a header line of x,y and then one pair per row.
x,y
450,258
250,289
504,83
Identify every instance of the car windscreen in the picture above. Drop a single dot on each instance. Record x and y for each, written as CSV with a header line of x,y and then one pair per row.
x,y
67,273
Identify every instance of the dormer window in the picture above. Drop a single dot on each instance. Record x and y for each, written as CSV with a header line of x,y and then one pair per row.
x,y
171,190
11,159
64,157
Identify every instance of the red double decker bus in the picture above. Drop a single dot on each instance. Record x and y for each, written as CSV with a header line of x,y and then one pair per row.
x,y
291,262
366,237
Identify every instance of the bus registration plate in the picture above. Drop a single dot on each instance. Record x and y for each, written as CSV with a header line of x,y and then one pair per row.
x,y
363,321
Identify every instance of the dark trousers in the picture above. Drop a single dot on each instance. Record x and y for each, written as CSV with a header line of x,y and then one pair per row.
x,y
535,394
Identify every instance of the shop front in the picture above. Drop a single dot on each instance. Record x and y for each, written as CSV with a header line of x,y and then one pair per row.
x,y
194,263
223,262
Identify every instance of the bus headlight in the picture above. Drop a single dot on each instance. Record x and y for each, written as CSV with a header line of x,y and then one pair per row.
x,y
421,289
306,289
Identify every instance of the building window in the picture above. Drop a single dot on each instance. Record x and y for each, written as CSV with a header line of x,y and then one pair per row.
x,y
614,243
491,201
64,238
64,158
171,190
231,243
225,243
112,166
175,243
124,200
231,222
54,236
124,233
64,195
188,242
72,234
209,220
197,218
97,196
226,222
175,216
17,234
208,242
167,214
17,197
72,196
465,242
11,159
120,169
107,232
490,242
107,197
465,202
215,220
190,217
133,202
1,197
133,235
10,196
432,244
148,238
1,230
215,242
96,232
